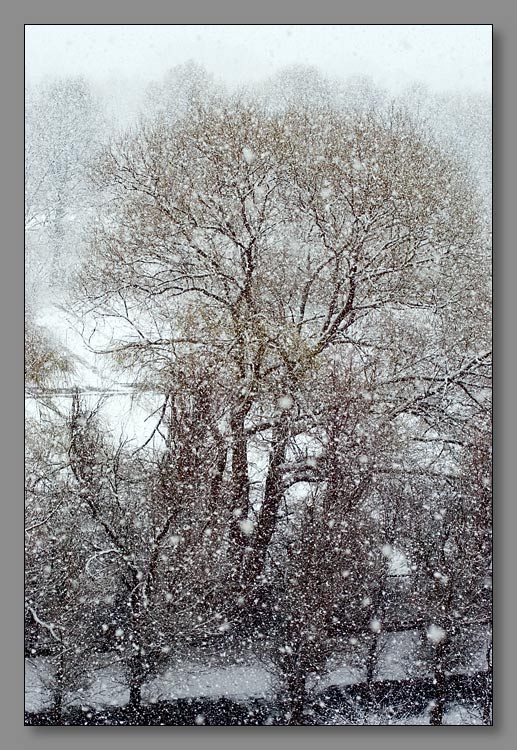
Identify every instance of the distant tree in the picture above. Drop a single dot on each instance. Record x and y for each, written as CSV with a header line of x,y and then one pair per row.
x,y
64,128
183,89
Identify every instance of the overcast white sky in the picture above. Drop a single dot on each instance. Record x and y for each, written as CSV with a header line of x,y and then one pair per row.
x,y
444,57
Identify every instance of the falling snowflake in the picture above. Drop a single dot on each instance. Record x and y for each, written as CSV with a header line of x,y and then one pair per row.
x,y
435,634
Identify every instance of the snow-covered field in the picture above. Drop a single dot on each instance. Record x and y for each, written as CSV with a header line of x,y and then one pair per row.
x,y
202,678
190,681
235,682
456,715
185,680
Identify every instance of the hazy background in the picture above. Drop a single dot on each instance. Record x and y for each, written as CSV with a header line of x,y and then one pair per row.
x,y
443,57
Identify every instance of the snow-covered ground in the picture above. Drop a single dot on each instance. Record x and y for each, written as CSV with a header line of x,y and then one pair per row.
x,y
237,682
250,678
38,677
456,715
185,680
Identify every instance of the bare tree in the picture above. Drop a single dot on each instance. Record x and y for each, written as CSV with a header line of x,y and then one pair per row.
x,y
270,238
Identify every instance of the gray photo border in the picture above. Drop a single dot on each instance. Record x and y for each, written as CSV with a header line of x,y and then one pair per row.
x,y
503,15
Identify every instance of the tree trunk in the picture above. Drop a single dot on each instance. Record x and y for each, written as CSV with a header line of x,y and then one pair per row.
x,y
438,710
136,681
240,483
216,486
273,494
487,703
296,690
59,677
56,262
136,669
371,659
134,697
